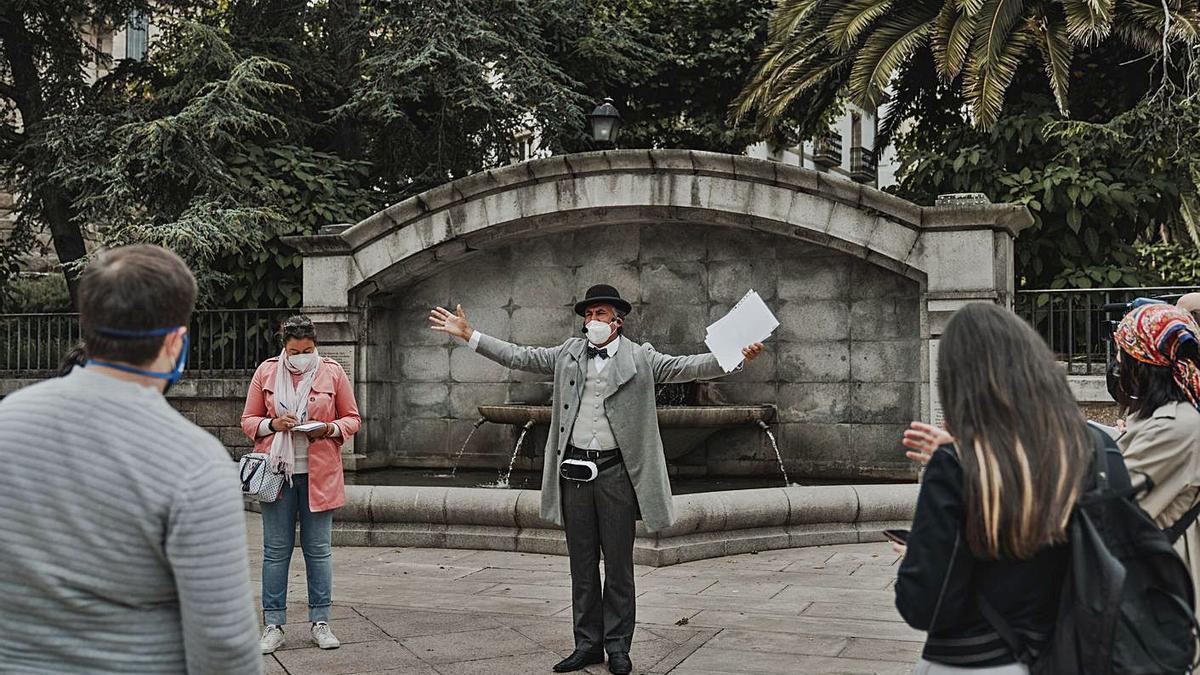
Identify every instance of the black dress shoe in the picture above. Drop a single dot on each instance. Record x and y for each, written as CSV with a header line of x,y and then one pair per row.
x,y
619,664
578,660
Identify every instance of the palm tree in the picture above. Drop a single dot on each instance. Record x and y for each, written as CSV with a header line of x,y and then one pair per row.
x,y
813,45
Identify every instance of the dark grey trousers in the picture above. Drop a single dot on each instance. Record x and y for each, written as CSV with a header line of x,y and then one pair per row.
x,y
599,516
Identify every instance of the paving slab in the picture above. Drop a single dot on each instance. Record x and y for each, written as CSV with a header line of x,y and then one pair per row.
x,y
416,611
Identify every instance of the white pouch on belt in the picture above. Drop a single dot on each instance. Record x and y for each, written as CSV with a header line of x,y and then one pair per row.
x,y
582,470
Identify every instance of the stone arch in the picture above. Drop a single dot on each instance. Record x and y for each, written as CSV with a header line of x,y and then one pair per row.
x,y
949,255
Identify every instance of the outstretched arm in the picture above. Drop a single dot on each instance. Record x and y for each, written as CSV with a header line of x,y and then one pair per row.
x,y
531,359
671,369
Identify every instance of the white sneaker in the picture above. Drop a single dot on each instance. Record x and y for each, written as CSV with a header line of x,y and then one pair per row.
x,y
323,636
272,639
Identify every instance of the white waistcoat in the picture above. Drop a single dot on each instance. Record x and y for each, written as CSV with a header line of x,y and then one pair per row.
x,y
592,430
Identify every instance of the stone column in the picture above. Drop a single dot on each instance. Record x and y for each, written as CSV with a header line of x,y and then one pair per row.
x,y
327,280
967,252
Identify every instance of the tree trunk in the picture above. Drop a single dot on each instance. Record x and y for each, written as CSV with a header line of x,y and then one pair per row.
x,y
26,91
68,238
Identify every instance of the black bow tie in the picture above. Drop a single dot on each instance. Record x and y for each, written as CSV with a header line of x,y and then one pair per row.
x,y
593,353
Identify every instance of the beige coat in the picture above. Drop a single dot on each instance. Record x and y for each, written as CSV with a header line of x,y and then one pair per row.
x,y
630,407
1166,447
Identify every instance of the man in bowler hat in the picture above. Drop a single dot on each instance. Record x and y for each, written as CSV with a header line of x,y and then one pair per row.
x,y
605,427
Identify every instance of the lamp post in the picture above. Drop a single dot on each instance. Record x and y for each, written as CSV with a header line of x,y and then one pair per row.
x,y
606,122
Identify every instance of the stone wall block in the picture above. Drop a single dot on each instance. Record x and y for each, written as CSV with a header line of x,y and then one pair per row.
x,y
677,283
421,399
466,365
885,402
728,281
425,364
465,399
544,287
806,320
885,319
668,242
814,402
894,361
825,361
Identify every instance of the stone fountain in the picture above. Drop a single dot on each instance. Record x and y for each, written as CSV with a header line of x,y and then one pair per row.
x,y
862,282
682,427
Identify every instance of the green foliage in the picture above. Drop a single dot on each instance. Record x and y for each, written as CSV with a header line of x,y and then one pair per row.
x,y
1096,189
1171,264
204,166
705,52
979,45
43,293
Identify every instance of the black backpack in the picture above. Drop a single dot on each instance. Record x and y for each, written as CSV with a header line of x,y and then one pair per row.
x,y
1127,601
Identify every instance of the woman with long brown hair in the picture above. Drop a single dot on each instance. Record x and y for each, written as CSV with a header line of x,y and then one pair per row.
x,y
994,505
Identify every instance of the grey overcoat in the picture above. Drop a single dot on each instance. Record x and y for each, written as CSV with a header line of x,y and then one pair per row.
x,y
1166,447
630,410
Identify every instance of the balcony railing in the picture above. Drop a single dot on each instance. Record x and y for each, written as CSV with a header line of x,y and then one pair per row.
x,y
827,151
862,164
1074,324
224,342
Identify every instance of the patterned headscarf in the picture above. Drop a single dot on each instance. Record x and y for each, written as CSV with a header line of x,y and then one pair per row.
x,y
1155,334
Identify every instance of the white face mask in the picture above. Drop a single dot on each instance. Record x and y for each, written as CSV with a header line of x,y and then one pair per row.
x,y
598,332
303,362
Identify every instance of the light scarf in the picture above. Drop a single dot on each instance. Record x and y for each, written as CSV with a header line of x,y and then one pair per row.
x,y
290,398
1154,334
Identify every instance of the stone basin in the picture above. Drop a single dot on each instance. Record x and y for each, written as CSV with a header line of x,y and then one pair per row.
x,y
683,427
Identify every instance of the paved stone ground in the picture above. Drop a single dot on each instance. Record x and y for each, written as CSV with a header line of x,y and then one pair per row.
x,y
458,612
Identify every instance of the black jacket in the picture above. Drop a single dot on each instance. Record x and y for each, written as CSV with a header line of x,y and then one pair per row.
x,y
939,578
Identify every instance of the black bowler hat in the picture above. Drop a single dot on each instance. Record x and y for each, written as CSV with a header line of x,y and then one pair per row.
x,y
602,293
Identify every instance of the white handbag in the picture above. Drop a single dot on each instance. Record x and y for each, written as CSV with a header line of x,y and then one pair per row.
x,y
258,480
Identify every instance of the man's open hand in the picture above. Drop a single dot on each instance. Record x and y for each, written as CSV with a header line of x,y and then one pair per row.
x,y
454,323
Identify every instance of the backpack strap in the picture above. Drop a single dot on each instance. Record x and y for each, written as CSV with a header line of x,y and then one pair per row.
x,y
1174,532
998,623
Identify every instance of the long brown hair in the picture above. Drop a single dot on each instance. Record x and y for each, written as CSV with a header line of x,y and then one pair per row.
x,y
1022,440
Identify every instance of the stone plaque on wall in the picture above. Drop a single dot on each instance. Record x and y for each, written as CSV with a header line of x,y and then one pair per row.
x,y
343,354
936,418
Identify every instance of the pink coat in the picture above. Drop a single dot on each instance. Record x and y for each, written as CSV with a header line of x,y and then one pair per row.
x,y
331,400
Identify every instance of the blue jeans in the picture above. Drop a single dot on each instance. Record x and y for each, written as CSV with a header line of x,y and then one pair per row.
x,y
279,538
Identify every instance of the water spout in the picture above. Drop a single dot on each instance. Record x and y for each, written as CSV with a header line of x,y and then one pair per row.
x,y
763,425
503,482
457,458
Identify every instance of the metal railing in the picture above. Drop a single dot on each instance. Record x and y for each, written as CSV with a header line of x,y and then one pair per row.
x,y
224,342
827,150
1074,323
862,164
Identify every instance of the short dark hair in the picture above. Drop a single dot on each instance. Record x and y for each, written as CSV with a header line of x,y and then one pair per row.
x,y
133,288
298,327
1145,388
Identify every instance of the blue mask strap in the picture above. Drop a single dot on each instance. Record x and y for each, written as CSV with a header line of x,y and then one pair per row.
x,y
130,369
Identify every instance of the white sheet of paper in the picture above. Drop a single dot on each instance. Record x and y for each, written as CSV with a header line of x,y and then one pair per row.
x,y
748,322
308,426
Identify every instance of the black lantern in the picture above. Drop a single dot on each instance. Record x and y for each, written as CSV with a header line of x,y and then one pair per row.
x,y
606,122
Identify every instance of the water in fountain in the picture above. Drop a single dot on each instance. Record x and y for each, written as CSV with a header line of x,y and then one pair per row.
x,y
502,483
458,457
778,456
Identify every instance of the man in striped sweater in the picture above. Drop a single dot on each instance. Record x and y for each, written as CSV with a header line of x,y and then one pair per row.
x,y
122,539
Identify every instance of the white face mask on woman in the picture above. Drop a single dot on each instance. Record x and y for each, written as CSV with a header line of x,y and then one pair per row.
x,y
598,331
303,362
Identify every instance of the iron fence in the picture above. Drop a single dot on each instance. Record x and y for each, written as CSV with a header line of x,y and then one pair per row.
x,y
224,342
1075,324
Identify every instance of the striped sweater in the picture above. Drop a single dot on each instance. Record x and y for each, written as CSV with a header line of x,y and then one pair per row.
x,y
122,538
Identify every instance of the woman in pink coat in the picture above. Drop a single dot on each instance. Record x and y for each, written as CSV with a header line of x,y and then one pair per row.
x,y
298,387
